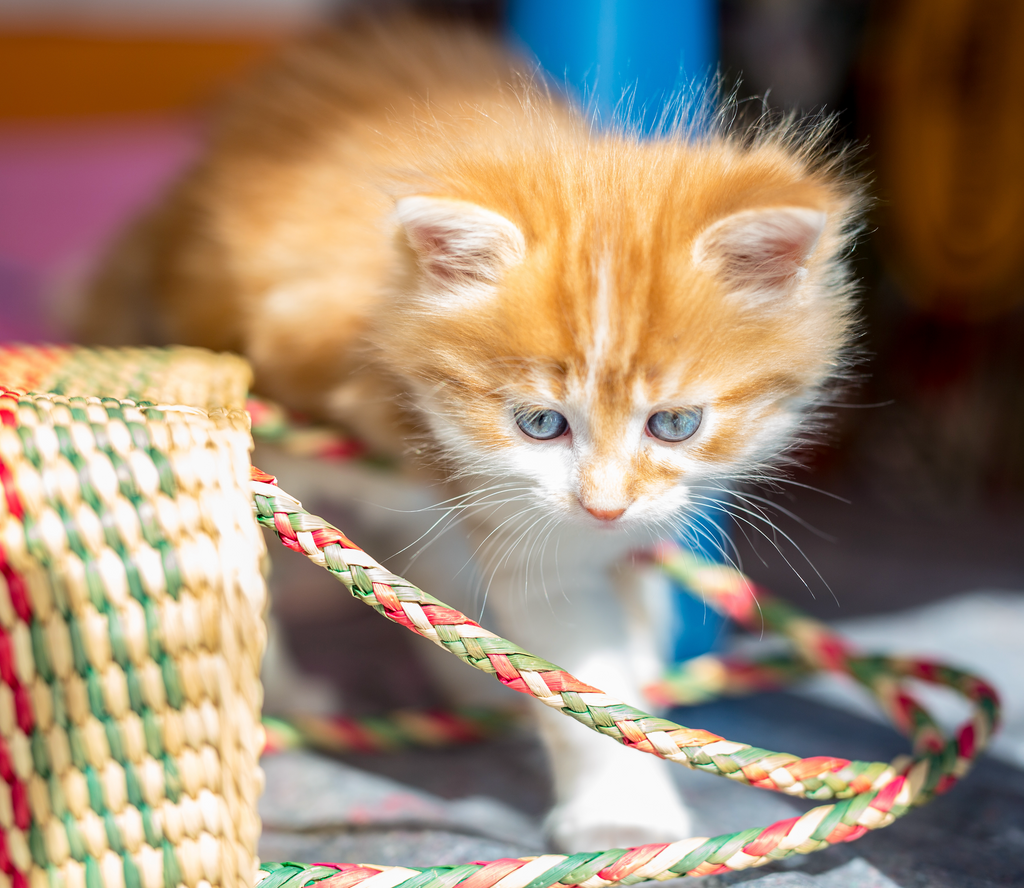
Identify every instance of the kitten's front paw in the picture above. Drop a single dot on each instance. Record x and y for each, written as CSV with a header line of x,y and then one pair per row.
x,y
595,820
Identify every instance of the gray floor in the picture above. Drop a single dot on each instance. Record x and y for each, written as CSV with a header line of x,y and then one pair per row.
x,y
973,837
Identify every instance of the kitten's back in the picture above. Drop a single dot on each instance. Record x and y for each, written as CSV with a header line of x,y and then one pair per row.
x,y
277,240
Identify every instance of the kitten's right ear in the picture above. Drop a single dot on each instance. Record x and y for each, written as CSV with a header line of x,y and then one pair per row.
x,y
457,242
761,253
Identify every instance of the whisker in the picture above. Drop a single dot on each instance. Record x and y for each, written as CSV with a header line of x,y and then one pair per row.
x,y
447,522
735,511
804,524
477,511
547,533
526,554
491,539
445,503
813,489
716,504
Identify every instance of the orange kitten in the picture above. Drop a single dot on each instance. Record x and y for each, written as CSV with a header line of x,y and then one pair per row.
x,y
582,331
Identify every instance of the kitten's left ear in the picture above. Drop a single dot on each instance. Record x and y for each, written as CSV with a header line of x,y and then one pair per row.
x,y
457,242
761,253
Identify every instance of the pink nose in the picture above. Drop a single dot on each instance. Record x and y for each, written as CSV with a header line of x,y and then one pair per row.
x,y
605,514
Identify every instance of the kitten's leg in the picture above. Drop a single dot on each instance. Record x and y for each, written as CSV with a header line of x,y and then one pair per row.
x,y
607,795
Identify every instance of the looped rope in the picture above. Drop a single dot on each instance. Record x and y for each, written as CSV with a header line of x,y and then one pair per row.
x,y
865,795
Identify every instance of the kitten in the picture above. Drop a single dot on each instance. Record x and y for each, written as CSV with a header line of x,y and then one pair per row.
x,y
579,332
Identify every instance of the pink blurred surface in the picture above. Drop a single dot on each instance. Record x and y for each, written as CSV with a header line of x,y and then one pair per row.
x,y
65,190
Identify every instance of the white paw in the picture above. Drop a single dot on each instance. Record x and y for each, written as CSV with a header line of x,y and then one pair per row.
x,y
597,819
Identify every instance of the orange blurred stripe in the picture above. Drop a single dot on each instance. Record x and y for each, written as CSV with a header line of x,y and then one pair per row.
x,y
76,75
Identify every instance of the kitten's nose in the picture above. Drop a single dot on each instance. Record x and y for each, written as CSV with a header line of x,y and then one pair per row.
x,y
605,514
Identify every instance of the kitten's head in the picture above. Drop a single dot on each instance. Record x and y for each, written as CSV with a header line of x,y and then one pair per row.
x,y
623,324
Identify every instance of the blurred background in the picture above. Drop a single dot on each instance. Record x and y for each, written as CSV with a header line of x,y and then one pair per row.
x,y
916,498
103,101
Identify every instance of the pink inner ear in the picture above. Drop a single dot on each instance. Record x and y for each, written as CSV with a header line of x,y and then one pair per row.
x,y
762,249
437,254
458,241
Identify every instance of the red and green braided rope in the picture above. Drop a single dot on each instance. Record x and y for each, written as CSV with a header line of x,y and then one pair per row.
x,y
340,734
862,795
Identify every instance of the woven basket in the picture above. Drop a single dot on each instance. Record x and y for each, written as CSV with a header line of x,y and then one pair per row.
x,y
131,628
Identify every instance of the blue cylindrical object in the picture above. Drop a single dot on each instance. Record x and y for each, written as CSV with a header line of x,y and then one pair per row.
x,y
699,627
624,56
625,59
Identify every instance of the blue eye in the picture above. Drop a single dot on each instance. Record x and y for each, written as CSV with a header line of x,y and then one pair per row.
x,y
541,424
675,425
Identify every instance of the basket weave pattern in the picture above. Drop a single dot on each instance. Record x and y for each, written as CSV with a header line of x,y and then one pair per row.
x,y
130,621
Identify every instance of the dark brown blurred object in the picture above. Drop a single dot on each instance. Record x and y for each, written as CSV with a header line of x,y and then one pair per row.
x,y
46,75
945,80
940,103
796,54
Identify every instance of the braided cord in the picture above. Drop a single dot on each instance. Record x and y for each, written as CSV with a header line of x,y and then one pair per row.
x,y
401,729
865,795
